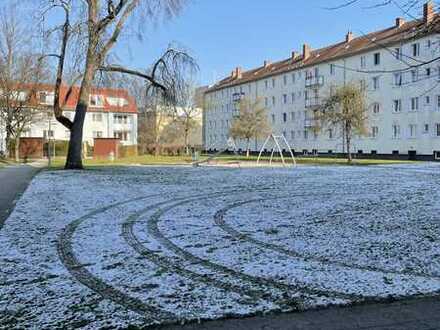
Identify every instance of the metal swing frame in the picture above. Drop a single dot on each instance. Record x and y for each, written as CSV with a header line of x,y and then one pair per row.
x,y
276,139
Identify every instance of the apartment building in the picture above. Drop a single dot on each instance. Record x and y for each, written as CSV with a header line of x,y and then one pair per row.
x,y
112,113
398,67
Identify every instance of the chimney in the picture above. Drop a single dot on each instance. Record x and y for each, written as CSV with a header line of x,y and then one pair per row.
x,y
428,12
349,37
238,73
306,51
399,22
294,55
266,63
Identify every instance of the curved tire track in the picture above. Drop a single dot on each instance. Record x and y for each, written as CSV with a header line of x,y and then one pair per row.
x,y
221,223
82,275
260,282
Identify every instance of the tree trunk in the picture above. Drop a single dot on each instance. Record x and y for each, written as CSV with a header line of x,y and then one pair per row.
x,y
248,148
348,140
186,141
17,149
74,155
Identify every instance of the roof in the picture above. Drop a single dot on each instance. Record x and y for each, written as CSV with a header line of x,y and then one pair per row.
x,y
73,97
374,40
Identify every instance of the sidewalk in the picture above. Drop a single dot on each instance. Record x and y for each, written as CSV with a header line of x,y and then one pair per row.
x,y
414,314
14,180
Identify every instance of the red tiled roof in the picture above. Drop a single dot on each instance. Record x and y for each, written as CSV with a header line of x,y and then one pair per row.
x,y
374,40
72,100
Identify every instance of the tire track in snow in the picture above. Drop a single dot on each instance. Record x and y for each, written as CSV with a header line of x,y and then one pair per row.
x,y
82,275
261,282
221,223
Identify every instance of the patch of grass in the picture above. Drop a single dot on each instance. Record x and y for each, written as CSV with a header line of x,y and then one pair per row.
x,y
314,160
58,163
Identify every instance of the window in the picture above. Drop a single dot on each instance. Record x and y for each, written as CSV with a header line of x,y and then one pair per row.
x,y
438,101
374,132
306,134
46,98
330,133
123,135
266,101
266,84
376,108
397,106
293,78
332,69
285,134
293,97
398,79
97,134
285,98
273,100
426,129
416,49
96,101
428,43
414,103
273,119
285,117
396,131
292,135
375,83
97,117
376,58
412,131
398,53
292,116
428,72
285,80
427,100
363,62
273,83
120,119
414,75
437,129
362,83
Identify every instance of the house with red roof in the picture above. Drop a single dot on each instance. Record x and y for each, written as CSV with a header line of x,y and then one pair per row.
x,y
112,113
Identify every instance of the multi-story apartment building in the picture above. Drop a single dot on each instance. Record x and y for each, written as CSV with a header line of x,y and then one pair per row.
x,y
112,113
399,68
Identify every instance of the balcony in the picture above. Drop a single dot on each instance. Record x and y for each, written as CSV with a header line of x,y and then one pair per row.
x,y
310,123
313,102
237,97
314,81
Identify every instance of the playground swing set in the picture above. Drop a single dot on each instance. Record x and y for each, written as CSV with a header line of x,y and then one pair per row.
x,y
277,142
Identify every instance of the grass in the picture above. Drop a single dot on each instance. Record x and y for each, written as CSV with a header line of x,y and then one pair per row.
x,y
316,160
58,163
137,160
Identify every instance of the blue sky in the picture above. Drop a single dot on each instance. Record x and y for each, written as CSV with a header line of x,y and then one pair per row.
x,y
223,34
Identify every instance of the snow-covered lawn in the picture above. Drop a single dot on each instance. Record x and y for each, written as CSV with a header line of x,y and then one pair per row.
x,y
143,245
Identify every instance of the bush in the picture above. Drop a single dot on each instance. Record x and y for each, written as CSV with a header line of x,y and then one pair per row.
x,y
128,151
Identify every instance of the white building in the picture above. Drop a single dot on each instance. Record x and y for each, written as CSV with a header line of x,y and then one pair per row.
x,y
111,113
399,68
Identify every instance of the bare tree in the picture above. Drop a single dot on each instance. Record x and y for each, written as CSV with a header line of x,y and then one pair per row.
x,y
99,25
20,71
344,110
188,109
251,123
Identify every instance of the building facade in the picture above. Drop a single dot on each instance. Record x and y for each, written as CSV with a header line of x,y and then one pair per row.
x,y
112,113
398,67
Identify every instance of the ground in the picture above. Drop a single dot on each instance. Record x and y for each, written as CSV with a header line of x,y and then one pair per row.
x,y
113,247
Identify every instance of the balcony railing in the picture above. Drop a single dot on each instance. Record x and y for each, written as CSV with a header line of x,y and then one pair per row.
x,y
313,102
314,81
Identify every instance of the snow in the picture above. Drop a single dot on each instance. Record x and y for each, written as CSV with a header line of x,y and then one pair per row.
x,y
139,245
